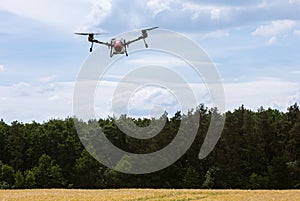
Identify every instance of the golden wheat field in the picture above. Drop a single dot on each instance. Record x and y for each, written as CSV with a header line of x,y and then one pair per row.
x,y
150,195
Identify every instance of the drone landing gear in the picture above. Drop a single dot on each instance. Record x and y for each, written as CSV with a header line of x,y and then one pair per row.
x,y
146,45
91,49
111,52
125,48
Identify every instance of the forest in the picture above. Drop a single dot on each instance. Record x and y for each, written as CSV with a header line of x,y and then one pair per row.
x,y
257,150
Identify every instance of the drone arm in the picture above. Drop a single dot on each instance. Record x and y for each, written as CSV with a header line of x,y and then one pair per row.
x,y
99,42
102,43
132,41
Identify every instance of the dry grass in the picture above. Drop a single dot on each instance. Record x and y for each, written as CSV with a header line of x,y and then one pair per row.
x,y
150,195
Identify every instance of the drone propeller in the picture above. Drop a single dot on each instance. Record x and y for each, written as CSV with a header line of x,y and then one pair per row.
x,y
87,34
90,38
149,29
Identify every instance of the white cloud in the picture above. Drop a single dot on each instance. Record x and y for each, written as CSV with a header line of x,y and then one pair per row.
x,y
20,89
146,99
100,10
272,40
107,14
158,6
27,102
295,98
182,15
64,14
200,10
54,98
297,32
2,68
276,28
165,60
217,34
47,79
266,92
297,72
294,1
215,14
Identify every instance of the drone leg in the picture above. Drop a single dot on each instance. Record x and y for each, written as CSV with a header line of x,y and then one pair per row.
x,y
146,45
126,53
91,49
111,54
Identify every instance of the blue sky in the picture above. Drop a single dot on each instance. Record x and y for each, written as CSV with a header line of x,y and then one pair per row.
x,y
255,45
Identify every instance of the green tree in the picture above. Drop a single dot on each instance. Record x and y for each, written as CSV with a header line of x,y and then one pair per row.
x,y
191,179
34,147
257,181
210,178
8,175
279,175
19,180
256,150
48,174
86,171
30,181
4,143
17,143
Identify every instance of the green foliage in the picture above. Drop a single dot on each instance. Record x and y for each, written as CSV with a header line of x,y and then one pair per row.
x,y
8,175
279,174
210,178
257,150
4,185
30,181
191,179
257,181
124,164
19,180
17,143
48,174
4,142
85,171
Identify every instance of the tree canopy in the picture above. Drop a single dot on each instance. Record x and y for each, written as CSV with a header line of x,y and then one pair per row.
x,y
257,150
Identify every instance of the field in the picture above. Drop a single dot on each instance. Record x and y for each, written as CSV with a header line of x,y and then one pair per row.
x,y
150,194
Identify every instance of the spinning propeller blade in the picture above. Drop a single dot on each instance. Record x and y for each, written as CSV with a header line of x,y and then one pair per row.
x,y
149,29
86,34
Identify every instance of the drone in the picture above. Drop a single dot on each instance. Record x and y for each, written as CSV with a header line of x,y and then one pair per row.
x,y
117,46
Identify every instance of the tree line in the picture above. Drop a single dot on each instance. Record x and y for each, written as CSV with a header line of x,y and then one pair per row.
x,y
257,150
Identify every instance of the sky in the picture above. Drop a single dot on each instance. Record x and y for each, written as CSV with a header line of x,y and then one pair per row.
x,y
253,44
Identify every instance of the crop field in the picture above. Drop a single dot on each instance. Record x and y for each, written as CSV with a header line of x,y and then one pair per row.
x,y
150,194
